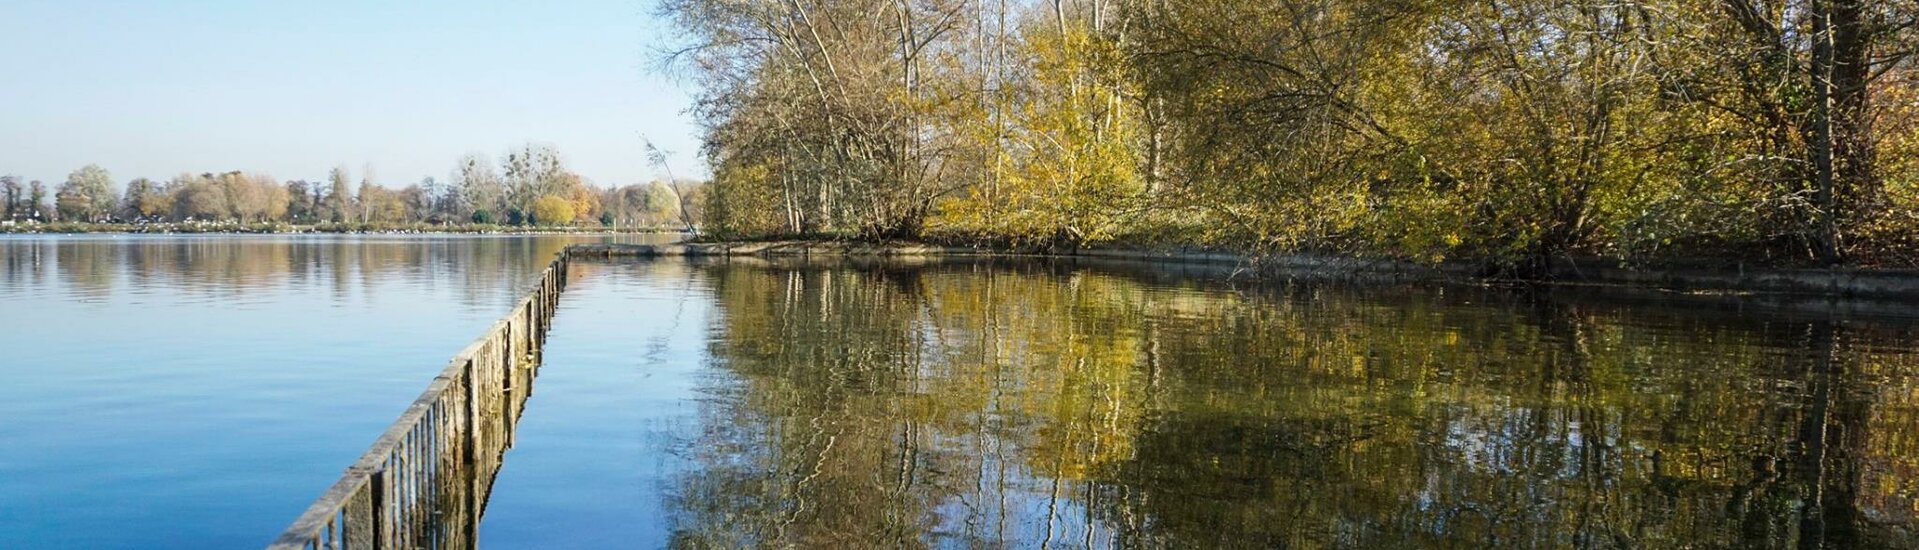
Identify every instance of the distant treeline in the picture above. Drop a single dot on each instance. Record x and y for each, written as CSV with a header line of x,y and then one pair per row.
x,y
532,187
1506,131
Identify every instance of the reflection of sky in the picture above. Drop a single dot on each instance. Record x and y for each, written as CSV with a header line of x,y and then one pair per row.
x,y
200,391
597,445
618,421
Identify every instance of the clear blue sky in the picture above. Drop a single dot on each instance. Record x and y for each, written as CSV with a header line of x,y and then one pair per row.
x,y
292,88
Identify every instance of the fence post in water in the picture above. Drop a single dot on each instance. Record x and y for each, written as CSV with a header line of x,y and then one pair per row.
x,y
360,517
472,453
506,387
392,498
506,358
376,494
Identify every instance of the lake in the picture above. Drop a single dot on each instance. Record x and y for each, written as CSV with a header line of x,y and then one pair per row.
x,y
199,392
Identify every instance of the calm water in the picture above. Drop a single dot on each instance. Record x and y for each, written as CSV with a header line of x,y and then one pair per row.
x,y
200,391
740,404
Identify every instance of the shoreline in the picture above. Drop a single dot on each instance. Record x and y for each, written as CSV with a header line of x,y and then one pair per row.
x,y
230,228
1732,279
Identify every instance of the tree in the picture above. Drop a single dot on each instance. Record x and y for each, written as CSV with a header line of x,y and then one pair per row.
x,y
339,201
417,202
36,207
86,195
12,196
250,197
529,173
442,201
277,202
553,210
145,200
678,189
364,204
662,204
300,205
480,192
199,197
830,118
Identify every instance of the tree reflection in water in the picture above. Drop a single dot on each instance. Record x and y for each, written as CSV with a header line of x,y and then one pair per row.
x,y
1049,405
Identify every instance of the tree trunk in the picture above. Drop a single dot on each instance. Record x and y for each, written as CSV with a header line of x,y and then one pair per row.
x,y
1839,143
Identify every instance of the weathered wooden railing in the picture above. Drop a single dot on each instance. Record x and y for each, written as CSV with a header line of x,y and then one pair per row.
x,y
425,482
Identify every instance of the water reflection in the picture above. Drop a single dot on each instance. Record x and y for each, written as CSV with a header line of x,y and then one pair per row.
x,y
198,391
1041,404
211,268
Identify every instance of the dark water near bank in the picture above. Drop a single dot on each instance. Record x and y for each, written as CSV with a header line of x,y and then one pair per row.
x,y
742,404
201,391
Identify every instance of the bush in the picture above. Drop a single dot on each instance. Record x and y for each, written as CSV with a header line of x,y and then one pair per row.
x,y
552,210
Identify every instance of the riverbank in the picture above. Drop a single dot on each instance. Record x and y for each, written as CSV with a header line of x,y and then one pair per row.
x,y
176,228
1721,278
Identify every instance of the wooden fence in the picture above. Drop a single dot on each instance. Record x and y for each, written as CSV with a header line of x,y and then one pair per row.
x,y
425,482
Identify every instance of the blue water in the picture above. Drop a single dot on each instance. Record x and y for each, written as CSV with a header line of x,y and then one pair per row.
x,y
201,391
618,391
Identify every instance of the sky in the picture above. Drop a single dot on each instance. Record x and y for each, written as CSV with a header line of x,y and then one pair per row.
x,y
293,88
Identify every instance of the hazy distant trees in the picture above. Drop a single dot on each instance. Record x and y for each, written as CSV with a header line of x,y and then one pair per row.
x,y
23,202
530,173
482,198
525,176
652,204
532,187
12,196
36,207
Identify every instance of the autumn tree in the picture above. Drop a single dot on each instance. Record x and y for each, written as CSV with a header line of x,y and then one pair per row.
x,y
553,210
86,195
145,200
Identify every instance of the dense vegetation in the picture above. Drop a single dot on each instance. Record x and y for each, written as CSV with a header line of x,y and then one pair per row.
x,y
531,187
1505,131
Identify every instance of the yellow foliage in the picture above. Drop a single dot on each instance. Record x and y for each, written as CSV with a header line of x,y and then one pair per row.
x,y
553,210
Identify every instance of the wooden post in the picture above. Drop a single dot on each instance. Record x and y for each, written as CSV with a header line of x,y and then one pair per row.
x,y
360,518
376,488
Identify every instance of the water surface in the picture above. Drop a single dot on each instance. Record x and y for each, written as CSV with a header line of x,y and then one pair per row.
x,y
201,391
726,404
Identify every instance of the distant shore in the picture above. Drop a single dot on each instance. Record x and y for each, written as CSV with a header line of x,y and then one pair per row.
x,y
182,228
